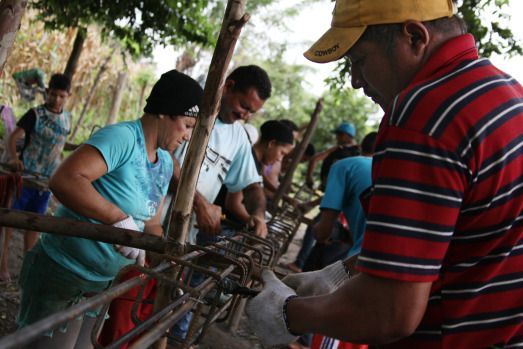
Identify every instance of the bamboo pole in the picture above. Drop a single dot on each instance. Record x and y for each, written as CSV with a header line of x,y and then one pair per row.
x,y
74,228
76,52
11,13
233,22
300,150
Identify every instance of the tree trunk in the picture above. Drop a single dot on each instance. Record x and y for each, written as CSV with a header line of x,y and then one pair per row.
x,y
97,78
117,98
74,57
11,12
142,94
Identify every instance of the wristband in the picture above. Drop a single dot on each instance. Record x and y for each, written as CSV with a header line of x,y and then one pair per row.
x,y
285,319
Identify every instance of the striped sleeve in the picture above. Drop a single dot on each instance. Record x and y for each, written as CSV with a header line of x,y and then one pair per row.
x,y
418,190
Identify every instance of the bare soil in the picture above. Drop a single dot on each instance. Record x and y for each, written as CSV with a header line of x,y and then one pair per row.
x,y
218,336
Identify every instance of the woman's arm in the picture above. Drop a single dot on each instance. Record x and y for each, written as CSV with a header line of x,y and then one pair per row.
x,y
72,185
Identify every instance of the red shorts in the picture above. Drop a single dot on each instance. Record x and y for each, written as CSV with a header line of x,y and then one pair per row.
x,y
120,321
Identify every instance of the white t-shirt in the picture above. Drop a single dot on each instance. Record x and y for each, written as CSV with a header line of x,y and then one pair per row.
x,y
228,160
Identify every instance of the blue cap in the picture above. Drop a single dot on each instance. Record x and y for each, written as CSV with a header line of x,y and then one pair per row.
x,y
347,128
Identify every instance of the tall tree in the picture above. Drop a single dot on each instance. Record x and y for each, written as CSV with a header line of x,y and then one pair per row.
x,y
11,12
138,25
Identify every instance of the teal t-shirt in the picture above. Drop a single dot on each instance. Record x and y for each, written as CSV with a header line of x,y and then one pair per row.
x,y
132,183
348,178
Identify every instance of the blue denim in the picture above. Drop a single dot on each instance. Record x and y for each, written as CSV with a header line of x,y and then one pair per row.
x,y
178,332
307,245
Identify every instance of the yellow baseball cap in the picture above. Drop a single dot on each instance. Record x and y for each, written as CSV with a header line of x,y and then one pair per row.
x,y
350,18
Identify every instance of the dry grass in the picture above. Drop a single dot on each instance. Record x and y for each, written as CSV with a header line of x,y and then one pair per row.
x,y
49,51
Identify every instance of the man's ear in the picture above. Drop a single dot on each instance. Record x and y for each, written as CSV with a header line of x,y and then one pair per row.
x,y
418,35
228,86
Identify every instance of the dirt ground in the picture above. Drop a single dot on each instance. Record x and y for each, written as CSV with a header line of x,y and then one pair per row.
x,y
218,336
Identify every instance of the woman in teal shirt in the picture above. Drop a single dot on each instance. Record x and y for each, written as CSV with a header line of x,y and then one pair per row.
x,y
119,177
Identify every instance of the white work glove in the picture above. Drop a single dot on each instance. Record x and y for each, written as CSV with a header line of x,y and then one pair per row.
x,y
319,282
265,311
126,251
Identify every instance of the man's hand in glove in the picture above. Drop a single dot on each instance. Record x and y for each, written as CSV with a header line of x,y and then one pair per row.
x,y
266,313
126,251
320,282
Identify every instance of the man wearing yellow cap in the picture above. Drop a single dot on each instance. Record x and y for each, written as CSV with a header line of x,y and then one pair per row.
x,y
440,265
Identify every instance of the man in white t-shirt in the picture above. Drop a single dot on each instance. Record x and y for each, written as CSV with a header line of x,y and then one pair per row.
x,y
228,159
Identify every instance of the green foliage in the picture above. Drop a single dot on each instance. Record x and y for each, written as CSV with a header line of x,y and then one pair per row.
x,y
138,25
290,98
492,35
343,105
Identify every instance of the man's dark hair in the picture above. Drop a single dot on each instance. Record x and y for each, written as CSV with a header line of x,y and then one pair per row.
x,y
275,130
387,33
60,82
290,124
368,143
248,76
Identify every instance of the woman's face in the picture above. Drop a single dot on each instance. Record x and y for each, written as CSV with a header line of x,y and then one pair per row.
x,y
175,131
275,152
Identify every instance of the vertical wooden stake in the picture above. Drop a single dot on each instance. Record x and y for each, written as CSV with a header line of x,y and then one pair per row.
x,y
117,99
300,150
233,22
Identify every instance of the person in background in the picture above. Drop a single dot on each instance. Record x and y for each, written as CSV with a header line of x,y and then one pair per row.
x,y
228,161
345,138
276,141
348,179
271,173
118,177
439,265
308,239
44,131
29,82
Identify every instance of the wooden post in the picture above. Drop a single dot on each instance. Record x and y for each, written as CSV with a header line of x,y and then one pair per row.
x,y
117,98
182,210
97,79
11,13
74,228
300,150
233,22
74,56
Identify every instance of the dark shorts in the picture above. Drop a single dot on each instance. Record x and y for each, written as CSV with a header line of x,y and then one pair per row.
x,y
47,288
32,200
